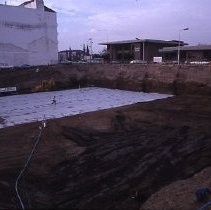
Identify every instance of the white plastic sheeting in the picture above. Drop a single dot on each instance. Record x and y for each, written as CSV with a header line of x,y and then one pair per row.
x,y
19,109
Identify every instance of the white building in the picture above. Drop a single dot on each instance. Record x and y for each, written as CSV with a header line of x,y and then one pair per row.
x,y
28,34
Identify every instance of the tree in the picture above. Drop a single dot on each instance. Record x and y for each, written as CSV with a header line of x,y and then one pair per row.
x,y
87,50
69,54
104,54
84,49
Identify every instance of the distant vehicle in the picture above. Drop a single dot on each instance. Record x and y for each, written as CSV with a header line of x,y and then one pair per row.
x,y
138,61
5,66
115,62
174,62
79,62
8,91
65,62
97,60
25,66
82,62
199,62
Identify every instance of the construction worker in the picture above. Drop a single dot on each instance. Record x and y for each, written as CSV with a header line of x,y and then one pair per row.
x,y
54,100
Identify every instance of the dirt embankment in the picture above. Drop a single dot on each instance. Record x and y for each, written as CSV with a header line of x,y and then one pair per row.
x,y
184,79
101,160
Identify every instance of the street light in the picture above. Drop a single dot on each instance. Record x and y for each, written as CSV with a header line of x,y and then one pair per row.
x,y
178,53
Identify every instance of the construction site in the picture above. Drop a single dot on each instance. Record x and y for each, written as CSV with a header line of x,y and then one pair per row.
x,y
142,155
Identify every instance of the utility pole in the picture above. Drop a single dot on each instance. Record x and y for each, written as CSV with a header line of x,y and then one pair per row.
x,y
178,52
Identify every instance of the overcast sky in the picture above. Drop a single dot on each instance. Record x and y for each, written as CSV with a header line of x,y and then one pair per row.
x,y
112,20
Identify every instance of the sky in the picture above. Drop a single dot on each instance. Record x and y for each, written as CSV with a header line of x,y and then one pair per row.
x,y
116,20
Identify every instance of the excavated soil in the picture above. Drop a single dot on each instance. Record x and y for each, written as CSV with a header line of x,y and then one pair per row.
x,y
148,156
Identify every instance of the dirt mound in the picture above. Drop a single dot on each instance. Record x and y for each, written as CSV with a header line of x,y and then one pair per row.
x,y
180,195
111,159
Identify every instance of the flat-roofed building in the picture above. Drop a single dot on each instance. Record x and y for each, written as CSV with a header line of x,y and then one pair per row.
x,y
71,55
138,49
187,53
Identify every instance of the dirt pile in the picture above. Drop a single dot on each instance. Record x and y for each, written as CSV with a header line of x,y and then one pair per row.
x,y
101,160
180,194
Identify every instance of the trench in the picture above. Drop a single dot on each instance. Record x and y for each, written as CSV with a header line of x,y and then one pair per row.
x,y
112,159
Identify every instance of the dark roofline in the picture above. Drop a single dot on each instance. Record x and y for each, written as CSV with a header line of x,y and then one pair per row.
x,y
26,2
186,48
143,41
64,51
70,51
47,9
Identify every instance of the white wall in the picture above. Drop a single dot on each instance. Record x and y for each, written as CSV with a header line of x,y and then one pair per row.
x,y
31,30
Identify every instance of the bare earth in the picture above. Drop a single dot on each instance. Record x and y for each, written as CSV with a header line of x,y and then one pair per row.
x,y
159,150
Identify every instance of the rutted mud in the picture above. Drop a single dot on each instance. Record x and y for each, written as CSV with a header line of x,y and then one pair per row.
x,y
112,159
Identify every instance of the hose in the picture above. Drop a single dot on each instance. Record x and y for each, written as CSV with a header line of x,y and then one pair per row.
x,y
27,163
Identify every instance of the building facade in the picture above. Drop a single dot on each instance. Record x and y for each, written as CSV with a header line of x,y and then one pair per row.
x,y
72,55
28,34
139,49
187,53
